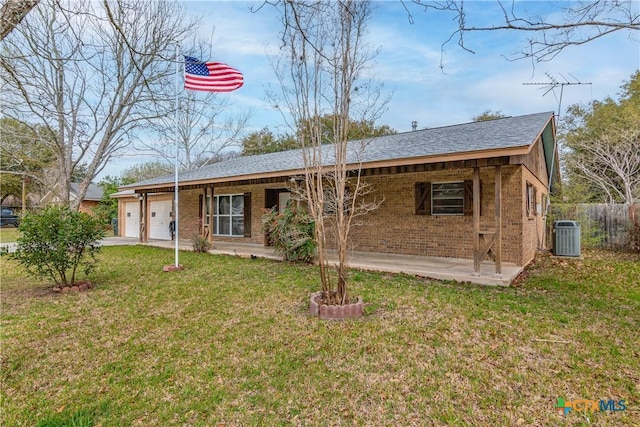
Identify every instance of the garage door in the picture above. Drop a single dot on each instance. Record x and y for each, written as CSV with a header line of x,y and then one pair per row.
x,y
132,219
159,219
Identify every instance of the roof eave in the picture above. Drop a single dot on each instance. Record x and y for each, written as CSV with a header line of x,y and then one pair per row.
x,y
468,155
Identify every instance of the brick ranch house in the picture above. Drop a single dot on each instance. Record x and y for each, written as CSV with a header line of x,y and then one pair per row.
x,y
465,191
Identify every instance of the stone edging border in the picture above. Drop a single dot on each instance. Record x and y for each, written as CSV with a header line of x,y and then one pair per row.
x,y
335,312
77,287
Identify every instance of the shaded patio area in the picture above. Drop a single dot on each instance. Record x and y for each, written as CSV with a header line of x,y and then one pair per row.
x,y
456,269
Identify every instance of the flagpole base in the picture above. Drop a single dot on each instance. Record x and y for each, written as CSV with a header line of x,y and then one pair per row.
x,y
170,268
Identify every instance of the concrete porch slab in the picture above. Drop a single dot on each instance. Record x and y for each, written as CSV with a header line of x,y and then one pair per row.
x,y
439,268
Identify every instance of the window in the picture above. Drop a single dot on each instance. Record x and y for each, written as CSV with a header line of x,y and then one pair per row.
x,y
447,198
531,200
444,198
228,215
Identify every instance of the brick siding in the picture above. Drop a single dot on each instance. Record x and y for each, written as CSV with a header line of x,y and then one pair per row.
x,y
395,228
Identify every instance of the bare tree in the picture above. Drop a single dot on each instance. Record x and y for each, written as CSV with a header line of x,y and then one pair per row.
x,y
12,13
580,22
324,55
205,130
24,156
611,163
72,70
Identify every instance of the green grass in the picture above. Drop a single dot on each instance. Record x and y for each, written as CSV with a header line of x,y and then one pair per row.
x,y
228,341
8,234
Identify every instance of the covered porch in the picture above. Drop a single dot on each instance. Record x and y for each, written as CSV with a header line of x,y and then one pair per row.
x,y
439,268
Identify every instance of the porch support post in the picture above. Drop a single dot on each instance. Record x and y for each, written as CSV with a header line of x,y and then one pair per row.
x,y
211,218
498,218
203,213
143,218
476,221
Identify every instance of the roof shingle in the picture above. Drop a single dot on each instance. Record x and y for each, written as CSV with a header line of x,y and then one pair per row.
x,y
508,132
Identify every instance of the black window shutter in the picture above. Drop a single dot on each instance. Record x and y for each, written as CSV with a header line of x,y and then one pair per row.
x,y
271,198
200,201
468,197
247,214
423,198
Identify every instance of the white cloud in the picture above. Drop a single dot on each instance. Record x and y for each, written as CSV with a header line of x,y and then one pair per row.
x,y
409,65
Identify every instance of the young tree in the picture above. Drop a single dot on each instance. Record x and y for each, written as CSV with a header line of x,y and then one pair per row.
x,y
205,131
56,242
323,58
70,68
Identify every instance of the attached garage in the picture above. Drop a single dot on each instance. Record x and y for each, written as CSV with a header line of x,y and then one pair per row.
x,y
159,219
132,219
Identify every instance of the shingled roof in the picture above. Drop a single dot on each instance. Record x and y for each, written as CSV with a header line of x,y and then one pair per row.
x,y
94,192
468,138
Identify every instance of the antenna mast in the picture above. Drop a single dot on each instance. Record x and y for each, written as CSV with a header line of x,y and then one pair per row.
x,y
551,85
554,83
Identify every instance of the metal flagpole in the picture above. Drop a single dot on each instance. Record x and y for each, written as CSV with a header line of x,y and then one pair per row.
x,y
177,136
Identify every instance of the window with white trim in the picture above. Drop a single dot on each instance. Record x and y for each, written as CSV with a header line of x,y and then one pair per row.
x,y
447,198
228,215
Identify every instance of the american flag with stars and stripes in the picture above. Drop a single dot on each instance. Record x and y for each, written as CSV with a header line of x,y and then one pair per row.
x,y
210,76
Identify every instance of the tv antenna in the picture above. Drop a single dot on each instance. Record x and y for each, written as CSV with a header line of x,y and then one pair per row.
x,y
554,83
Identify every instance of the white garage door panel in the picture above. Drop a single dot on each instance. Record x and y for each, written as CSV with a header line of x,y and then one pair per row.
x,y
132,219
159,219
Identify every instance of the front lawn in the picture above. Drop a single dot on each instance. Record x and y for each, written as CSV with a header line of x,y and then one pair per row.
x,y
228,342
9,234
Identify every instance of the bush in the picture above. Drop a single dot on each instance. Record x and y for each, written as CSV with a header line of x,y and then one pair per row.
x,y
200,243
292,233
56,242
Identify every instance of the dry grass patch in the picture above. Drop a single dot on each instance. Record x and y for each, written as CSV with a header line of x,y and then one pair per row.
x,y
228,340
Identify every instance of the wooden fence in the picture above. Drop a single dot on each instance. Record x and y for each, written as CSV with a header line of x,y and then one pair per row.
x,y
602,225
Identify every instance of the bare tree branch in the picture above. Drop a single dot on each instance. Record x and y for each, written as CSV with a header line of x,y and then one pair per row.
x,y
11,14
612,163
205,131
324,56
581,22
91,76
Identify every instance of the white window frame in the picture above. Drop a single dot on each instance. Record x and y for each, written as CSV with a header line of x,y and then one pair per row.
x,y
231,215
435,197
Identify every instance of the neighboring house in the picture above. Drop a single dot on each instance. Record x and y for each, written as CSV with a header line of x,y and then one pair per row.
x,y
91,199
438,185
12,201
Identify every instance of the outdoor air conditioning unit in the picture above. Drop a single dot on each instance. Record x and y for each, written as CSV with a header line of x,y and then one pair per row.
x,y
566,241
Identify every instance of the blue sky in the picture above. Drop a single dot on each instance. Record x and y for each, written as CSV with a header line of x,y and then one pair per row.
x,y
409,64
